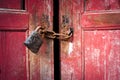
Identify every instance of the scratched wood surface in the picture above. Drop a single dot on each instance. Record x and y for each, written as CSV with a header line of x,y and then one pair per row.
x,y
41,64
96,56
102,58
71,65
91,54
101,40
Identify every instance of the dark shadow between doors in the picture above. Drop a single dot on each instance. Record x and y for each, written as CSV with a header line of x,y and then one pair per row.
x,y
57,69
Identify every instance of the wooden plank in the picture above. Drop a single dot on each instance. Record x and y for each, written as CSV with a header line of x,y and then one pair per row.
x,y
1,52
11,4
70,51
101,40
101,20
94,5
78,6
97,5
13,56
41,65
13,21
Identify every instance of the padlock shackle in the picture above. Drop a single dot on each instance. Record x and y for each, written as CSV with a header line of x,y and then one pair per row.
x,y
38,28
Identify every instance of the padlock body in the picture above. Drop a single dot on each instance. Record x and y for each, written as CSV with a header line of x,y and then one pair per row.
x,y
34,42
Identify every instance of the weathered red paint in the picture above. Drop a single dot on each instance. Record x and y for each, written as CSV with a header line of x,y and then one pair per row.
x,y
101,20
13,56
13,26
41,65
102,56
94,52
97,5
16,19
19,20
71,58
101,40
11,4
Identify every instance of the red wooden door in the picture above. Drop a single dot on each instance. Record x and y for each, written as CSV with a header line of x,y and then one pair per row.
x,y
13,26
101,40
17,19
93,54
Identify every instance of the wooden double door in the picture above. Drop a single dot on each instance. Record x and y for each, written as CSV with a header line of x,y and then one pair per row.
x,y
92,53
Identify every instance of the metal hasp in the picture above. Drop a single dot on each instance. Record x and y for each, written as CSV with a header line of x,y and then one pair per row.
x,y
66,27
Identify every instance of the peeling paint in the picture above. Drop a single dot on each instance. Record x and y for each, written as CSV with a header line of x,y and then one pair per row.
x,y
70,49
102,53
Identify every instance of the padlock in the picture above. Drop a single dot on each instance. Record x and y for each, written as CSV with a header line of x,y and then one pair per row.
x,y
34,41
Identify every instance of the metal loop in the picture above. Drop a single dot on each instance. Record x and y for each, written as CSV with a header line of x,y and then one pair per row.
x,y
50,34
53,35
62,36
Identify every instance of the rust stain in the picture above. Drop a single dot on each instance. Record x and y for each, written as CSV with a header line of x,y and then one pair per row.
x,y
70,50
41,65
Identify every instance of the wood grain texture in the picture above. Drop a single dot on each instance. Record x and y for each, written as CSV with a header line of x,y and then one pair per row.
x,y
71,59
101,40
41,65
102,57
101,20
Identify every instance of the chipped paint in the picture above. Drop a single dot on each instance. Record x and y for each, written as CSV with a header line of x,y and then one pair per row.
x,y
41,65
70,49
102,54
93,54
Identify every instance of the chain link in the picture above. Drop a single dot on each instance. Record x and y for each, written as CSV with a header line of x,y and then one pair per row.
x,y
52,35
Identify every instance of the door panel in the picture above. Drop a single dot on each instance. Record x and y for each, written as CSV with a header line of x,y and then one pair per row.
x,y
93,53
12,4
13,65
97,5
13,20
13,30
101,20
101,40
18,19
102,56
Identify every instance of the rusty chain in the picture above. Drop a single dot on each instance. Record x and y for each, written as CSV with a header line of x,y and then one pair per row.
x,y
53,35
44,32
